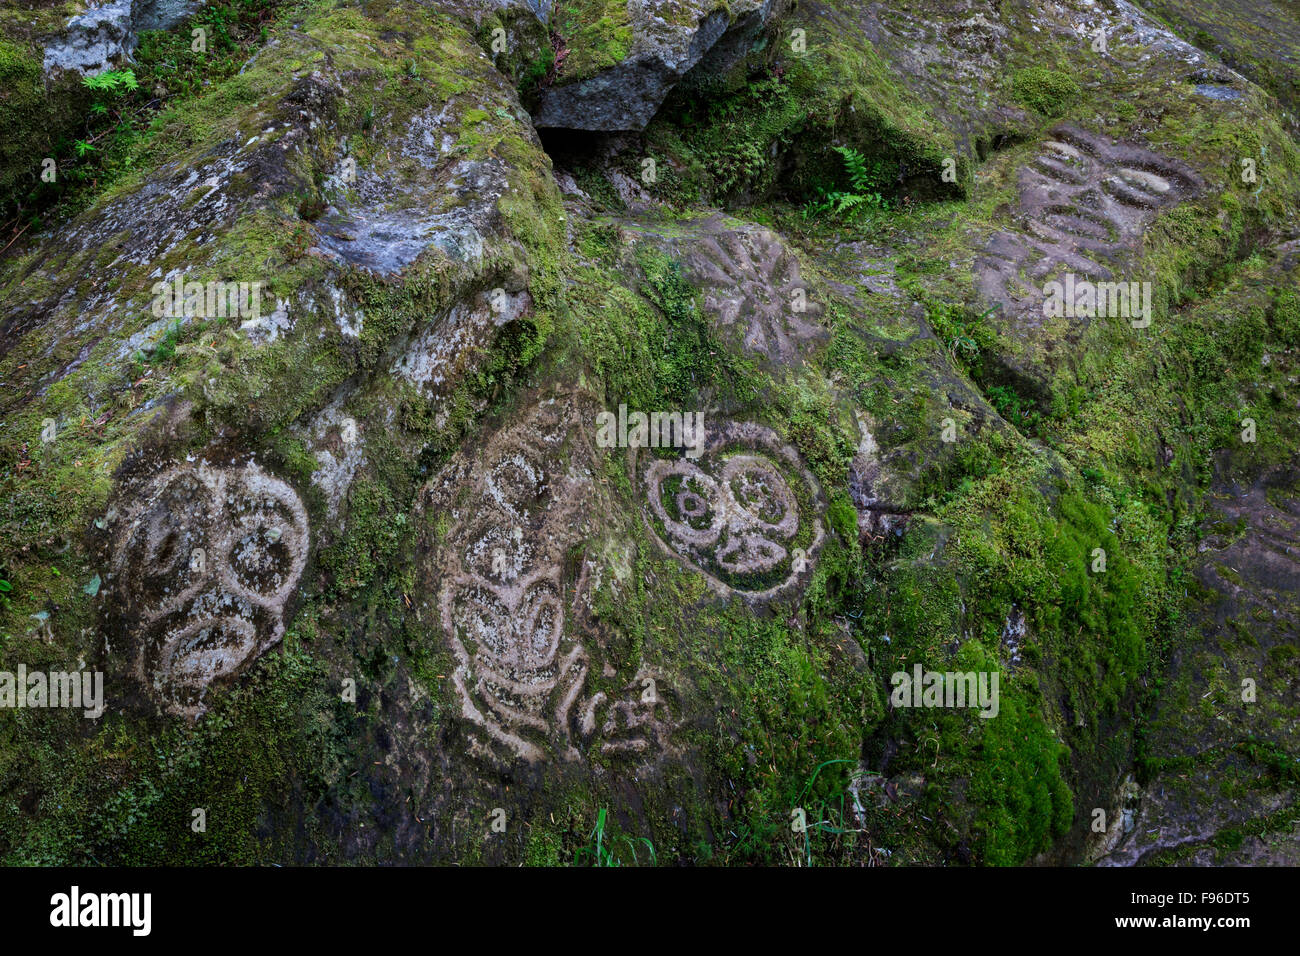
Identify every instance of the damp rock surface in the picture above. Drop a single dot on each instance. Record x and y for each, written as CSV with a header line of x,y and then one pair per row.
x,y
646,48
598,411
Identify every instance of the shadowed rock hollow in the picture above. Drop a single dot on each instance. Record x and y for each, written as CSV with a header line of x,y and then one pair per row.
x,y
310,343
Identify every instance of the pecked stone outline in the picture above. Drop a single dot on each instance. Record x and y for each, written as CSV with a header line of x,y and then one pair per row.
x,y
1083,204
221,522
747,276
521,512
719,439
730,267
476,673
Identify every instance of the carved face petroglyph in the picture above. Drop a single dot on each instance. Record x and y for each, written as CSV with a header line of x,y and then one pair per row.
x,y
734,514
519,508
1084,205
511,676
206,560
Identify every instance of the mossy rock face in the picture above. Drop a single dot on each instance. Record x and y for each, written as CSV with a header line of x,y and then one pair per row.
x,y
466,503
953,54
1221,732
618,61
36,110
1259,38
47,48
277,275
1093,207
23,109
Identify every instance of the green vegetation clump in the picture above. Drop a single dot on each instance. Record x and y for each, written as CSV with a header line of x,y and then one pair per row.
x,y
1048,91
97,130
25,121
782,132
866,180
595,35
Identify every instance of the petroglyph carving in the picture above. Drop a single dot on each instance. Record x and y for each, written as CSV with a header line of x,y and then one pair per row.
x,y
206,560
753,287
735,514
511,675
638,721
518,510
1085,204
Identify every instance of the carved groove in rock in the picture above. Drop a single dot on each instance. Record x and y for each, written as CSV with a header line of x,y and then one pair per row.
x,y
505,604
206,561
751,282
1085,204
735,514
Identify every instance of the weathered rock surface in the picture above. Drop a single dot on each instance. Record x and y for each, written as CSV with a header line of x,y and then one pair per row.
x,y
753,286
105,34
463,270
420,481
660,42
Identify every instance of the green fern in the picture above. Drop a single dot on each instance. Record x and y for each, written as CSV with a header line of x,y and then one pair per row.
x,y
112,81
863,193
860,176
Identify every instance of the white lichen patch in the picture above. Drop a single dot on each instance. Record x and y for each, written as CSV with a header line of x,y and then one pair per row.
x,y
441,352
338,443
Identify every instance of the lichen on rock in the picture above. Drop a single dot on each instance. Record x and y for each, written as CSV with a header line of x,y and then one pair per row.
x,y
587,410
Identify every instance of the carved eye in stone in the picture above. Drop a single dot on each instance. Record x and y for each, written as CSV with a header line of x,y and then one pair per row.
x,y
165,554
265,548
539,625
761,495
521,638
519,483
480,619
687,501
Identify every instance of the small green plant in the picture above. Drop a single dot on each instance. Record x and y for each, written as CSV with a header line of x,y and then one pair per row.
x,y
116,82
863,194
831,813
965,337
1011,406
601,851
166,348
